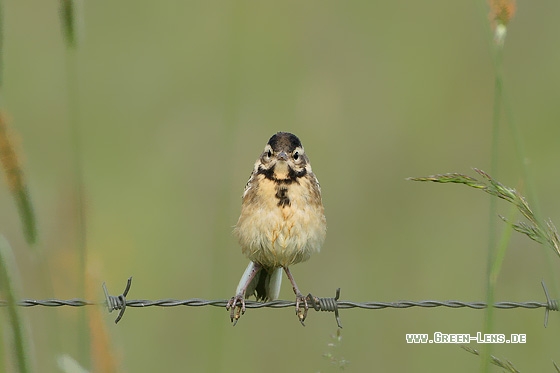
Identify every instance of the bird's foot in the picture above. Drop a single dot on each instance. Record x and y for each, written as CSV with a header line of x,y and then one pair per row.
x,y
301,307
236,306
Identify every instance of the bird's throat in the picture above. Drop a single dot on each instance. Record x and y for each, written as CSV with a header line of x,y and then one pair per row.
x,y
281,170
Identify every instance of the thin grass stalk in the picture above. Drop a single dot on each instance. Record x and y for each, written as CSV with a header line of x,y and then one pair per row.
x,y
70,21
68,18
501,250
13,171
543,232
8,287
501,12
491,255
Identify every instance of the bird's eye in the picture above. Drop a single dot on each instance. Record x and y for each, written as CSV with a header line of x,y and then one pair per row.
x,y
296,156
269,153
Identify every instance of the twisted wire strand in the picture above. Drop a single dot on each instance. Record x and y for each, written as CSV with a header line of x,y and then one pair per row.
x,y
436,303
318,304
341,304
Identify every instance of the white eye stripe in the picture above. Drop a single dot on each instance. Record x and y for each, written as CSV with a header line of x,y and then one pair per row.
x,y
297,154
267,153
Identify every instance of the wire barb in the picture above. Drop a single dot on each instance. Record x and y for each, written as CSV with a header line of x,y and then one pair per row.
x,y
118,302
551,304
326,305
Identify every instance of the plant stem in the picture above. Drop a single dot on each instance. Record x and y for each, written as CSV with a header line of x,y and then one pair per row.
x,y
8,285
492,270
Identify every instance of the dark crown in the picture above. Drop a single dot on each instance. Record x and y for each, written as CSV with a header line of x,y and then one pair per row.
x,y
284,141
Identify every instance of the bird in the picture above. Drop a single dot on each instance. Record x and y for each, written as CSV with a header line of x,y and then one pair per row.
x,y
282,222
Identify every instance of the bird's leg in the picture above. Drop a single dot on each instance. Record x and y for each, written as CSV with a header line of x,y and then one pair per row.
x,y
237,303
299,298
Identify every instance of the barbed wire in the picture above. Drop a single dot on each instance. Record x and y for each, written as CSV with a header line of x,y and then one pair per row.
x,y
326,304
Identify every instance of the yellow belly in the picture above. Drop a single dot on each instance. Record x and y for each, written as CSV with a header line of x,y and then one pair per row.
x,y
279,236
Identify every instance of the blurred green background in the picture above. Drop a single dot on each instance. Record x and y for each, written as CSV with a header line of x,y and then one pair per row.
x,y
175,102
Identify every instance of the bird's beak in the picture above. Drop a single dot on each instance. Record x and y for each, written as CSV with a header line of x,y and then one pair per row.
x,y
282,156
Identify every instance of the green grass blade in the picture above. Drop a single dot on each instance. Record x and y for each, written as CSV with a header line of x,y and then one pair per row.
x,y
8,286
68,20
16,181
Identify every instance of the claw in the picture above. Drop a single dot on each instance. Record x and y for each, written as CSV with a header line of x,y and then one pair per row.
x,y
237,306
237,303
301,314
299,298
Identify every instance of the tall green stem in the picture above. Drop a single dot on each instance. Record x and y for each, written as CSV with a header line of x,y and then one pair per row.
x,y
492,213
8,285
70,20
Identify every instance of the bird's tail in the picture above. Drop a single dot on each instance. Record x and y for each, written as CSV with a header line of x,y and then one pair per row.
x,y
266,284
